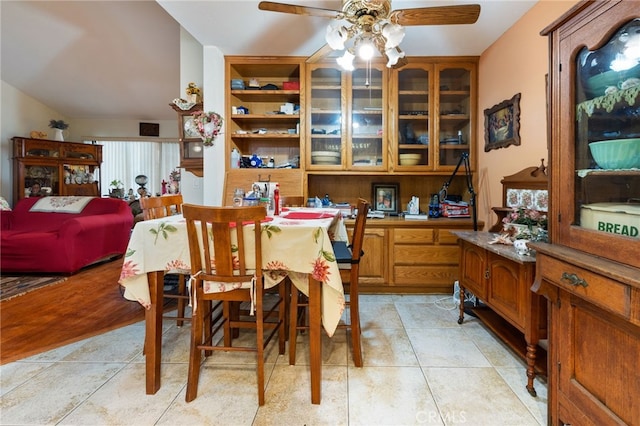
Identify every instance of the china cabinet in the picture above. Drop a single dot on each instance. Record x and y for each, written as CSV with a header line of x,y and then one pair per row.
x,y
344,135
590,271
346,118
434,104
45,167
191,148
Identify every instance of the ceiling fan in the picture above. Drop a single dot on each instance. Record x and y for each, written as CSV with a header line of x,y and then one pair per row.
x,y
372,24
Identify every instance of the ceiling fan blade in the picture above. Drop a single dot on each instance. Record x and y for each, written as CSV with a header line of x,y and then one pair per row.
x,y
438,15
298,10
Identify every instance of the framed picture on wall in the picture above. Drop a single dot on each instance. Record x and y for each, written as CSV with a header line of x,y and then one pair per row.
x,y
502,124
385,196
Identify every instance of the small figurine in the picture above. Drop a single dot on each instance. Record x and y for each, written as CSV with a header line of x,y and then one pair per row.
x,y
326,201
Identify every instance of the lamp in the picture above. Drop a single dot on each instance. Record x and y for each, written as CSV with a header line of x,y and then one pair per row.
x,y
369,28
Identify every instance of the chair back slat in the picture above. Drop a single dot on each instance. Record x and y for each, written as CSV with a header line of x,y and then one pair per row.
x,y
219,249
357,239
157,207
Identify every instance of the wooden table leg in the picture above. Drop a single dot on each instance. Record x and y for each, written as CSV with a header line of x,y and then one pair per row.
x,y
153,332
315,338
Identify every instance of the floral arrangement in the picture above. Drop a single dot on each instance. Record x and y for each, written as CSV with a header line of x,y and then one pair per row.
x,y
527,217
193,89
58,124
174,176
208,124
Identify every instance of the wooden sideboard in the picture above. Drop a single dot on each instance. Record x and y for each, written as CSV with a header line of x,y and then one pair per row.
x,y
502,280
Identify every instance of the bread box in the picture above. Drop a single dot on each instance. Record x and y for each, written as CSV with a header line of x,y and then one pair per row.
x,y
615,218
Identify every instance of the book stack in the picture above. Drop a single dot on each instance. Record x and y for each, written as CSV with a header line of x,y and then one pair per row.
x,y
455,209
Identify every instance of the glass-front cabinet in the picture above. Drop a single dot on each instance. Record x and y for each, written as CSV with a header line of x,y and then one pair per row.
x,y
454,112
346,118
412,126
368,96
45,167
604,158
325,113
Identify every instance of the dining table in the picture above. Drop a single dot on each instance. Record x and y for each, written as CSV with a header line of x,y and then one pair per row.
x,y
295,244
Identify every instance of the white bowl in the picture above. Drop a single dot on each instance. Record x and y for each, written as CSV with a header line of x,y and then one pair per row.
x,y
410,159
617,153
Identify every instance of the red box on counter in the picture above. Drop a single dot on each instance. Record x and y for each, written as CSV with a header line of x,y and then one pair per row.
x,y
291,85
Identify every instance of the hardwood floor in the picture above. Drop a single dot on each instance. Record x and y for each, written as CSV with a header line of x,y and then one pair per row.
x,y
86,304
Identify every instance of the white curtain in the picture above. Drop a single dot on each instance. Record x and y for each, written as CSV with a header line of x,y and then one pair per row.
x,y
124,160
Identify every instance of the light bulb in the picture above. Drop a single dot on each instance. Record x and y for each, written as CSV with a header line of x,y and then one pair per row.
x,y
366,50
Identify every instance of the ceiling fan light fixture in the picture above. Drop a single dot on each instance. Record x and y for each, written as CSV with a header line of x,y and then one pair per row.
x,y
336,37
346,61
393,35
394,55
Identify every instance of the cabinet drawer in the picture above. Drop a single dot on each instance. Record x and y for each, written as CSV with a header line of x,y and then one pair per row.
x,y
446,237
597,289
413,236
425,275
432,255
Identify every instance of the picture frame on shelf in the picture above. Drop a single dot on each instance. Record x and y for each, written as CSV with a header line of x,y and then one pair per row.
x,y
502,124
385,196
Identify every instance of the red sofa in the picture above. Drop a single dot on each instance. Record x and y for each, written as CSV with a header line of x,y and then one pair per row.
x,y
57,242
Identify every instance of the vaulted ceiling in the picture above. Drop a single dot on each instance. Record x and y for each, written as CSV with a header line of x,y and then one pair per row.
x,y
120,59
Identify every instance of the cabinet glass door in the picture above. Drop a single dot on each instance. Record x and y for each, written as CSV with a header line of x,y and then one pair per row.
x,y
367,119
326,112
607,135
40,180
454,124
413,116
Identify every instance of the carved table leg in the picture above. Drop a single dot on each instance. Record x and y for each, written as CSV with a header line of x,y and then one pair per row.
x,y
531,362
461,317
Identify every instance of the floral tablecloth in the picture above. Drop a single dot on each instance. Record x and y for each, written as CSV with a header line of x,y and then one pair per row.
x,y
295,246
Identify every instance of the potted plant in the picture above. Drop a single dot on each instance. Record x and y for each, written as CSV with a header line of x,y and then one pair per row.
x,y
58,126
116,189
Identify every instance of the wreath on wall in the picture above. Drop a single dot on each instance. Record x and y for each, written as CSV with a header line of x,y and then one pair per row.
x,y
208,124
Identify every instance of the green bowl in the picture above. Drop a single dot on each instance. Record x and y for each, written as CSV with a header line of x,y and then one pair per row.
x,y
617,153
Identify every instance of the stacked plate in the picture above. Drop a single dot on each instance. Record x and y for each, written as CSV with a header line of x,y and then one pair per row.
x,y
325,157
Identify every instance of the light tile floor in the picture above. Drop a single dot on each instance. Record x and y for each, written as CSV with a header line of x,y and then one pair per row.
x,y
420,367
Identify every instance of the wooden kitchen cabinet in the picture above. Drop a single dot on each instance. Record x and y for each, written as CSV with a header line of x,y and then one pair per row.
x,y
590,270
502,280
60,168
410,256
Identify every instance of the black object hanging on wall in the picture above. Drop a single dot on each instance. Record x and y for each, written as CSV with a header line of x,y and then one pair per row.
x,y
149,129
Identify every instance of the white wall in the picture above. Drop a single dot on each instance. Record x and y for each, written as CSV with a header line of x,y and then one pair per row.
x,y
20,115
214,156
191,70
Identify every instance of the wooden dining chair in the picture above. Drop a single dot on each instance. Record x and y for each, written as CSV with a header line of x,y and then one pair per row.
x,y
222,238
292,201
348,258
155,208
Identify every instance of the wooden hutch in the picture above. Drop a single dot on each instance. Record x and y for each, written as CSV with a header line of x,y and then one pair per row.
x,y
590,271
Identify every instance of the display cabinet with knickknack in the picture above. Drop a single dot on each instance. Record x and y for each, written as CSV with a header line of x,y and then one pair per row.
x,y
44,167
590,270
434,104
265,106
346,117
